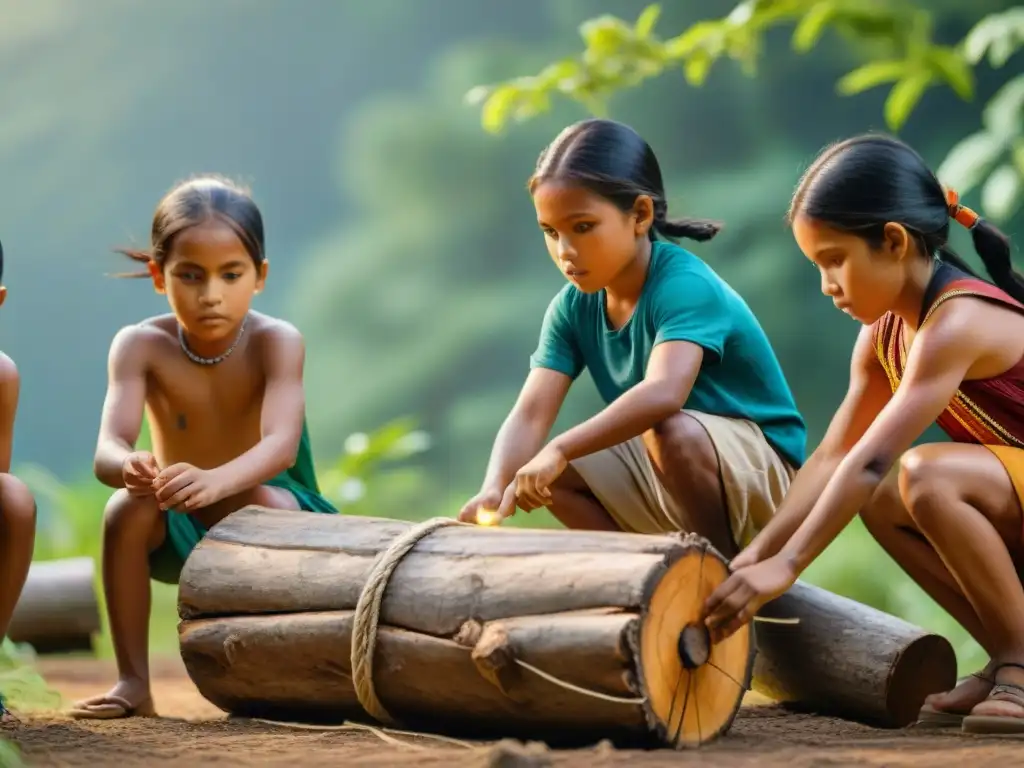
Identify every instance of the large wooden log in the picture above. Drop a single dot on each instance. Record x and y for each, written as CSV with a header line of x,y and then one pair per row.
x,y
267,603
848,659
473,623
57,610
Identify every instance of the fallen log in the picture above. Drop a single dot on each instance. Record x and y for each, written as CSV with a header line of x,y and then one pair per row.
x,y
58,610
487,632
848,659
474,617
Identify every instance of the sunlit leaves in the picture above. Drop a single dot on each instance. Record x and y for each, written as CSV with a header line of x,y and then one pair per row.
x,y
1001,193
618,55
904,96
994,156
1000,35
869,75
970,160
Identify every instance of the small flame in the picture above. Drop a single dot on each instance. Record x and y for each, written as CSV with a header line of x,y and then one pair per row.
x,y
487,517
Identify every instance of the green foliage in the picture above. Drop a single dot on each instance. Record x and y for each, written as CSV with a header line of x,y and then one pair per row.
x,y
619,55
23,688
374,472
10,755
993,157
896,36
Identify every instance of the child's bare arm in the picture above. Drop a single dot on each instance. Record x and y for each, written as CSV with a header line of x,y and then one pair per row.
x,y
867,394
9,385
121,420
523,432
671,371
284,408
941,356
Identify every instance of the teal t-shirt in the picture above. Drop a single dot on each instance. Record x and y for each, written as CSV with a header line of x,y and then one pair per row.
x,y
683,299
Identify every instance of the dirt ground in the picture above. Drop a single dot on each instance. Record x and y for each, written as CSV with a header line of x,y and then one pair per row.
x,y
190,731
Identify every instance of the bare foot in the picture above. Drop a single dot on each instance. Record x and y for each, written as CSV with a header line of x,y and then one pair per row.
x,y
970,691
130,697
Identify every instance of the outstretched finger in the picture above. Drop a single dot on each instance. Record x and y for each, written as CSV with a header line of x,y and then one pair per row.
x,y
507,507
720,595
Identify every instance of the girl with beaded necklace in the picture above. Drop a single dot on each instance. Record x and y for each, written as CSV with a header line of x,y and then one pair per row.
x,y
222,388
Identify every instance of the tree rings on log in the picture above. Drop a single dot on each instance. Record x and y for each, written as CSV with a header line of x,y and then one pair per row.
x,y
554,635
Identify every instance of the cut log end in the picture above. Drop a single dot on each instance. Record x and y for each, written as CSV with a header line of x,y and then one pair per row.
x,y
922,668
693,688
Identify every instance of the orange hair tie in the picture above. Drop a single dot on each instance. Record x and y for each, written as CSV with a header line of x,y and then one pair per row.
x,y
963,215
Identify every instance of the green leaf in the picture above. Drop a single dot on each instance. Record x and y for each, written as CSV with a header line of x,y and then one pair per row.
x,y
1001,195
1004,112
998,34
950,64
646,21
1018,155
697,67
703,34
477,94
812,25
870,75
605,34
904,97
498,106
970,160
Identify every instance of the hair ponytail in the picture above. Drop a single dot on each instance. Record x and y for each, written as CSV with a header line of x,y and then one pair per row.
x,y
134,255
994,249
611,160
700,230
860,184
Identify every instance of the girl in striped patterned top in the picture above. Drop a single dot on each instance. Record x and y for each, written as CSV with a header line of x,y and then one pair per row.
x,y
938,345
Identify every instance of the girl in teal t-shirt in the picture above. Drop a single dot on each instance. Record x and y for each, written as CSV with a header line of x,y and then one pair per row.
x,y
700,432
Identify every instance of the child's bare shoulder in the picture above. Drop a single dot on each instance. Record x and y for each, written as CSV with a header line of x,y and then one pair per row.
x,y
273,332
8,371
141,339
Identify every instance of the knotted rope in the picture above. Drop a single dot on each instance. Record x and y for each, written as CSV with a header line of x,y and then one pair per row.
x,y
364,624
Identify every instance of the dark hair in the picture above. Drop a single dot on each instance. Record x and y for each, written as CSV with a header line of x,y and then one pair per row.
x,y
612,160
196,201
1,263
861,184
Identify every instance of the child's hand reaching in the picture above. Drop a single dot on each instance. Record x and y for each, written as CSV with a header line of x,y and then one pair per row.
x,y
139,470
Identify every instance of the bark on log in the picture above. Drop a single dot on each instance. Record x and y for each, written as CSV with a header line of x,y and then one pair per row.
x,y
471,619
848,659
57,610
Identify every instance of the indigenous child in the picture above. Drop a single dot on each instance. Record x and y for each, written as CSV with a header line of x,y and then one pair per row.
x,y
939,344
222,388
700,432
17,507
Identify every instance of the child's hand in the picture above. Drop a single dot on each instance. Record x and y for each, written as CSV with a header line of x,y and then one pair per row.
x,y
182,486
482,509
139,470
533,481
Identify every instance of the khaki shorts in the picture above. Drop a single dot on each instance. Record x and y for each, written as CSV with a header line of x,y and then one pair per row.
x,y
754,478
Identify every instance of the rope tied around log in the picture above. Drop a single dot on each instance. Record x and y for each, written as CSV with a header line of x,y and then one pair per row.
x,y
367,618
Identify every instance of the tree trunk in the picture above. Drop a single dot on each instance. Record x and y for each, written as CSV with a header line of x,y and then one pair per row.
x,y
849,660
472,623
58,610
